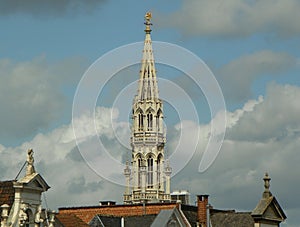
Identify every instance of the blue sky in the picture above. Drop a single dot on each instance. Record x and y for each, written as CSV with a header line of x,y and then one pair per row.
x,y
252,48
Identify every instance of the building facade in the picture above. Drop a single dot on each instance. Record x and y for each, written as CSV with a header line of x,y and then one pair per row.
x,y
21,199
148,175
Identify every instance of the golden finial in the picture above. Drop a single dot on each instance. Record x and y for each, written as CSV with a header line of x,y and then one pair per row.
x,y
148,23
148,16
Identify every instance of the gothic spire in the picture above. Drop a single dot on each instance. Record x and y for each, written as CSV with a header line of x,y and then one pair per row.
x,y
147,179
148,89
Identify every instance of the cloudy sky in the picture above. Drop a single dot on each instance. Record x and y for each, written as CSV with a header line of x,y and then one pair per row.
x,y
250,47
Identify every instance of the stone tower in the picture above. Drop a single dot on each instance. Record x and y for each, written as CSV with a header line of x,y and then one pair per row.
x,y
148,176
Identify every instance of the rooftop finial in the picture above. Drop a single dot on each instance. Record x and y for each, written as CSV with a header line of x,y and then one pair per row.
x,y
147,22
267,192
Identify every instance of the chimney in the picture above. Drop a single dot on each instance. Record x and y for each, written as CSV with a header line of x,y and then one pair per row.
x,y
107,203
202,204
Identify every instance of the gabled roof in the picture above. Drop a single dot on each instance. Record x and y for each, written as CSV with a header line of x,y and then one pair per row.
x,y
70,220
166,216
268,208
35,180
7,193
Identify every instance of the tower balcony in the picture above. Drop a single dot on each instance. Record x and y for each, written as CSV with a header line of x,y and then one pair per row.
x,y
148,196
148,137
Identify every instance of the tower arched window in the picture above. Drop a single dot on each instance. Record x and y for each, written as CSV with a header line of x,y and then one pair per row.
x,y
141,121
158,170
150,121
139,176
159,120
150,172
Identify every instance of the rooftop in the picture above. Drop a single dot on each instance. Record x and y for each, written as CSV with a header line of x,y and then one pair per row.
x,y
7,193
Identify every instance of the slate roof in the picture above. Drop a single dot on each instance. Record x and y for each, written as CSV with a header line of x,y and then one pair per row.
x,y
164,216
190,212
70,220
231,218
264,204
130,221
107,221
220,218
7,193
133,221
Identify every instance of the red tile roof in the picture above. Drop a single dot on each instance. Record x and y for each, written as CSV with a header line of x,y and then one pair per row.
x,y
70,220
7,193
86,214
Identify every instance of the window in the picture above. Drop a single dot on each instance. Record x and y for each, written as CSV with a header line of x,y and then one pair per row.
x,y
141,122
158,120
150,121
150,172
139,172
158,171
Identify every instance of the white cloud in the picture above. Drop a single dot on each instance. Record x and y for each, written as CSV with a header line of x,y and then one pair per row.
x,y
32,95
233,181
235,18
241,73
277,117
263,136
59,161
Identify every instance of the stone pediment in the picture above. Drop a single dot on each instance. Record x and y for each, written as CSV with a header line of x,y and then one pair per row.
x,y
268,209
34,180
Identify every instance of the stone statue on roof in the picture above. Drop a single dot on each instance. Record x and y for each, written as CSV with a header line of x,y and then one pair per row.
x,y
30,163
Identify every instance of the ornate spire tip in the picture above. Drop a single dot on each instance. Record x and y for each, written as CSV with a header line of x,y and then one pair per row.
x,y
147,22
148,16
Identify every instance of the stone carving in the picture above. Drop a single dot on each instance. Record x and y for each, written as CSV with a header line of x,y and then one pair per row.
x,y
38,219
52,219
4,215
30,163
23,217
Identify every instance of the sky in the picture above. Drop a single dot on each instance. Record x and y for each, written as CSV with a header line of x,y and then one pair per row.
x,y
250,48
